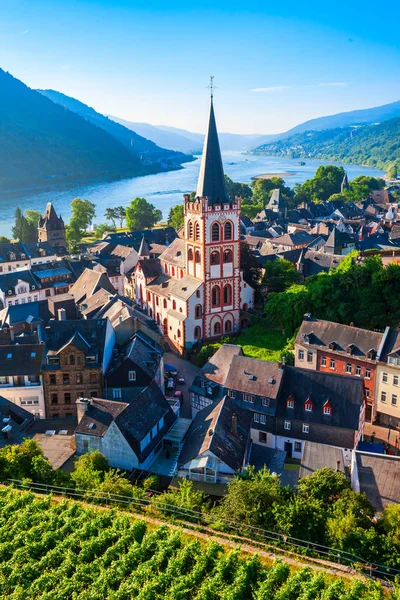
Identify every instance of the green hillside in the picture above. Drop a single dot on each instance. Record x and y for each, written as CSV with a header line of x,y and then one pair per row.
x,y
374,145
135,143
64,551
42,143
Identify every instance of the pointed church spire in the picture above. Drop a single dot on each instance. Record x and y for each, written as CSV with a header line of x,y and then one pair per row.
x,y
211,178
345,183
144,251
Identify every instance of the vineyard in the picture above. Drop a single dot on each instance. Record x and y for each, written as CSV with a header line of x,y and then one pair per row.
x,y
56,551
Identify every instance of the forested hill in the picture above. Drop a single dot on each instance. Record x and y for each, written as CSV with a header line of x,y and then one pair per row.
x,y
376,145
135,143
42,143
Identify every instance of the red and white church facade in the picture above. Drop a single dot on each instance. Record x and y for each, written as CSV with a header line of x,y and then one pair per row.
x,y
195,290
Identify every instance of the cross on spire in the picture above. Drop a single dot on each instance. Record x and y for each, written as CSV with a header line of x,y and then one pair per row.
x,y
211,87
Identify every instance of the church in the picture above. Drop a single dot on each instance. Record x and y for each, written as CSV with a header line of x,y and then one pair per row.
x,y
195,290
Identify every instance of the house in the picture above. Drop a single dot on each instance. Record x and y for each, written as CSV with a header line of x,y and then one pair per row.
x,y
121,314
19,287
318,407
88,283
276,203
20,376
77,354
312,262
128,434
317,456
195,290
339,242
378,477
17,256
387,393
135,367
217,445
15,421
51,228
341,349
289,241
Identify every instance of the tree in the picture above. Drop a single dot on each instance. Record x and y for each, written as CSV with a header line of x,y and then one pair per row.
x,y
185,498
32,216
25,461
393,170
4,239
175,217
302,518
101,229
279,275
115,484
324,485
82,214
250,498
23,230
326,181
351,514
89,470
263,188
111,214
140,214
237,189
362,186
121,214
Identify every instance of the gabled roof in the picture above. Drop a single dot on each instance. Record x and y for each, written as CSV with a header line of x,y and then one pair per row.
x,y
217,367
89,283
143,248
9,281
211,182
174,253
379,478
150,267
58,334
276,202
169,286
212,431
346,395
20,359
141,351
253,376
97,301
326,332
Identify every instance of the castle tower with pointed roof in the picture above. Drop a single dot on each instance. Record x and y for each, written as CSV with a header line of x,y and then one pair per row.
x,y
51,228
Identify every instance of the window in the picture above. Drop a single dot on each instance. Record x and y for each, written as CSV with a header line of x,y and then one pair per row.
x,y
198,294
297,446
85,444
263,419
197,231
197,333
215,232
93,377
66,378
228,256
248,398
301,354
287,425
67,398
215,258
262,437
228,326
9,355
197,257
358,370
72,359
54,399
367,392
306,428
332,363
217,328
256,418
3,379
383,396
309,356
33,354
190,254
395,380
394,400
228,294
116,393
327,410
231,393
79,378
348,368
367,373
228,231
174,304
53,380
215,296
323,361
173,271
265,402
290,403
308,407
384,377
198,311
190,230
391,360
132,375
178,333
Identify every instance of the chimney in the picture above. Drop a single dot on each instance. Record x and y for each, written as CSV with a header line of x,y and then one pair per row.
x,y
307,317
81,407
234,424
62,314
352,324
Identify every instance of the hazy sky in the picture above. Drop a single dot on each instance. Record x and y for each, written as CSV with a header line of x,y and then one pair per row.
x,y
275,64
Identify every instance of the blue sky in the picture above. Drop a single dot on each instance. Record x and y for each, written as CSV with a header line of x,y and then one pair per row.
x,y
150,61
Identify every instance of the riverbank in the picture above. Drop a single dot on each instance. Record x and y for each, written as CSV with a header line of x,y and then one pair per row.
x,y
271,175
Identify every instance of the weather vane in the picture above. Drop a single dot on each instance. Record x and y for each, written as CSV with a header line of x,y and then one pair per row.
x,y
212,87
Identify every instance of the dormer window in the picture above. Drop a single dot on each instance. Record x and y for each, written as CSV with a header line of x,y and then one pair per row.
x,y
132,375
308,338
332,346
350,349
327,408
308,406
9,355
290,402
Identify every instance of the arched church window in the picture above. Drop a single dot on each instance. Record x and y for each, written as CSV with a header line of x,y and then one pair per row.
x,y
198,311
197,256
228,256
190,230
228,294
197,231
215,232
190,254
228,231
217,328
197,333
215,260
215,296
228,326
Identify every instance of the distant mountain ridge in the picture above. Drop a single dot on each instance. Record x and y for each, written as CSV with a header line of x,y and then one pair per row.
x,y
377,145
137,144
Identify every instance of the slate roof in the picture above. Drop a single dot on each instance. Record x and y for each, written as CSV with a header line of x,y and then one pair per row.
x,y
134,419
211,183
36,311
217,367
253,376
293,239
88,284
212,430
142,352
152,236
276,201
151,267
121,251
93,331
25,359
317,456
379,478
50,220
175,253
182,288
18,414
326,332
246,221
391,345
345,394
9,281
97,301
337,239
315,262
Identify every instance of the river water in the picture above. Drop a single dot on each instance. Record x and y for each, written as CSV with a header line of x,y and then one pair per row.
x,y
164,189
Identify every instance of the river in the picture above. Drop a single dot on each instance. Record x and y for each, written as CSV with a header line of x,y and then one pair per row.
x,y
164,189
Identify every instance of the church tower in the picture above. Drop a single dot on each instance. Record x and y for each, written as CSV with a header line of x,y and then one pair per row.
x,y
51,228
212,241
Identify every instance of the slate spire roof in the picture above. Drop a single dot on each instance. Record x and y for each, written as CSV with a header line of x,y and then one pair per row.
x,y
211,178
345,183
50,219
144,248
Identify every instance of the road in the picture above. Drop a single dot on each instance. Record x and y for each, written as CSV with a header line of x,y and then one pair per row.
x,y
189,372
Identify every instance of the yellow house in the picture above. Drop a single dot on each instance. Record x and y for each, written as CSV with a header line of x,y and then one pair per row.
x,y
387,385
